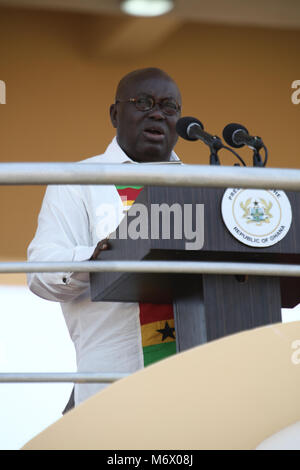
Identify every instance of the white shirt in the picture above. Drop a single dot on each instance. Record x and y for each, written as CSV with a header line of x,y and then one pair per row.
x,y
106,335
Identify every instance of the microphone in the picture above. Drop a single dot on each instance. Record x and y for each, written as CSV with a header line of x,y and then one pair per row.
x,y
190,128
237,136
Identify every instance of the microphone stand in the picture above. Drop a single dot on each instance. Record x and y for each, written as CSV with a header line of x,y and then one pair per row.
x,y
215,145
213,141
256,145
257,161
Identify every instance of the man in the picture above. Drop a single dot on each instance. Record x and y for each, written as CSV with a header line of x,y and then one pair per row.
x,y
107,335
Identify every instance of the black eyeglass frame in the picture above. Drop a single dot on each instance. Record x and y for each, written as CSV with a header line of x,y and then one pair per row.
x,y
154,102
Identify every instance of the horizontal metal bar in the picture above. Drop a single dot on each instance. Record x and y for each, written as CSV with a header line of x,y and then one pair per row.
x,y
75,377
193,267
153,174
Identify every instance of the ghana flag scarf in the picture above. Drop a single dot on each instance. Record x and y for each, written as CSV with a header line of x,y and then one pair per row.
x,y
156,320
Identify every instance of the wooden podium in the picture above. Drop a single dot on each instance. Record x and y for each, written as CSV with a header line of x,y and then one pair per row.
x,y
206,307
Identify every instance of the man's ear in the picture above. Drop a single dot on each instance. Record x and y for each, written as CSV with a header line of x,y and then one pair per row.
x,y
113,115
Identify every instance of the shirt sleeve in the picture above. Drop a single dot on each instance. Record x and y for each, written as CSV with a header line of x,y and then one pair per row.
x,y
62,235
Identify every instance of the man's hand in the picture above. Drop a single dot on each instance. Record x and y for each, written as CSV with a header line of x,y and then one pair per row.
x,y
101,246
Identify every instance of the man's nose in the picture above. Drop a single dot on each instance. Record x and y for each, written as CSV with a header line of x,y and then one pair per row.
x,y
156,112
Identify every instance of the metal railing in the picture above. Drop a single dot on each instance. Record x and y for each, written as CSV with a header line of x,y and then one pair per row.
x,y
48,377
186,267
166,175
149,174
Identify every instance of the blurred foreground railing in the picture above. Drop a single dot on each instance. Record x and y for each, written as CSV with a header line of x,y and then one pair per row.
x,y
186,267
149,174
76,377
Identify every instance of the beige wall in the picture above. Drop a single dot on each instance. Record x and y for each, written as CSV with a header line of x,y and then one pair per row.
x,y
60,86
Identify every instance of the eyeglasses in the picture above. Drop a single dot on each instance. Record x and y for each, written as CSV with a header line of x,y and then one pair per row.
x,y
169,106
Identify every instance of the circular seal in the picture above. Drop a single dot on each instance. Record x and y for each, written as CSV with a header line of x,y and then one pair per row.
x,y
257,217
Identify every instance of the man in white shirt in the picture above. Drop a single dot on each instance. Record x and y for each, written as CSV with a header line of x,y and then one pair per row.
x,y
106,335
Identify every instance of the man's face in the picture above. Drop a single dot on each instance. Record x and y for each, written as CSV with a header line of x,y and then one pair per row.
x,y
146,136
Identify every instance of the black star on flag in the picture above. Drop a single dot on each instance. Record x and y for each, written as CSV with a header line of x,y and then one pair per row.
x,y
167,332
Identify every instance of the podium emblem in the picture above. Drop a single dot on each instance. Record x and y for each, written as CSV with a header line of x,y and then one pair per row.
x,y
256,217
257,211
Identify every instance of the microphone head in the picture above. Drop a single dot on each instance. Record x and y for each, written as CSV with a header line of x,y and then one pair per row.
x,y
229,131
183,124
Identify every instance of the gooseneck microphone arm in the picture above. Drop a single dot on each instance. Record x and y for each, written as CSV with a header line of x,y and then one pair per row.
x,y
194,131
266,155
236,154
237,136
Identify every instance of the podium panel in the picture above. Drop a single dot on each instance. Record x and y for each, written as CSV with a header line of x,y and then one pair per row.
x,y
206,307
219,245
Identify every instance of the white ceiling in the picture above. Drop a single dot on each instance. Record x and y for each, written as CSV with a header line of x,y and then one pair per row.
x,y
271,13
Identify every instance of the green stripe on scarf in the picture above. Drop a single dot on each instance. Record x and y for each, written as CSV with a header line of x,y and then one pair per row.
x,y
157,352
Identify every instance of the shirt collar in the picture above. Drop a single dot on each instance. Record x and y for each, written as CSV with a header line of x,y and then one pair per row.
x,y
116,155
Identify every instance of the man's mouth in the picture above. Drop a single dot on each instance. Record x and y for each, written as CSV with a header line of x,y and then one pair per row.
x,y
154,134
